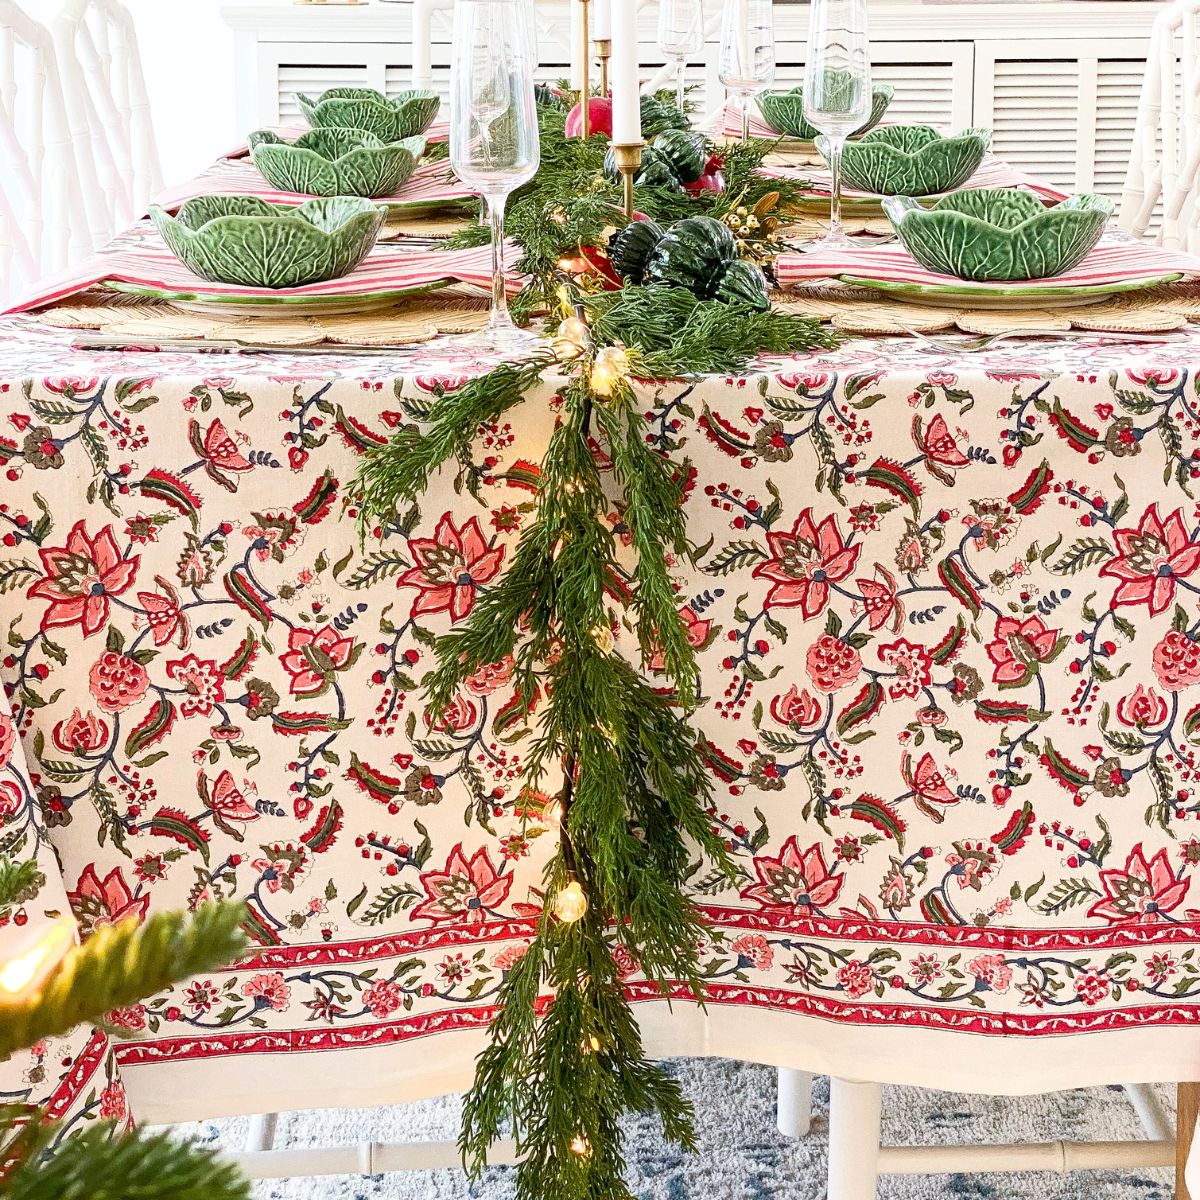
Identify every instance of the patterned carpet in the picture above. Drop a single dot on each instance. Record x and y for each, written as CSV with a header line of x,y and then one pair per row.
x,y
742,1156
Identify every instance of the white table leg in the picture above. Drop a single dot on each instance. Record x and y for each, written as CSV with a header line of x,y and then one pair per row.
x,y
854,1111
793,1106
1158,1126
262,1132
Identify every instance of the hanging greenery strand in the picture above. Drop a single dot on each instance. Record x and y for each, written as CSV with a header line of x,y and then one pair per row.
x,y
565,1058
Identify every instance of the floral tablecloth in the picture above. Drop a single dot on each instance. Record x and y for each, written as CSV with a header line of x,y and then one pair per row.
x,y
950,632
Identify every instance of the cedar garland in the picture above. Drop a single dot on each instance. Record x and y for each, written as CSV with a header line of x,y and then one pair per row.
x,y
565,1058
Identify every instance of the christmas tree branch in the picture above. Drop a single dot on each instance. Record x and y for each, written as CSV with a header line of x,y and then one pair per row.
x,y
119,965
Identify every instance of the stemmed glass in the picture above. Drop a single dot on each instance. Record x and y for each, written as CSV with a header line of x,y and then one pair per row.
x,y
747,63
837,90
680,36
494,145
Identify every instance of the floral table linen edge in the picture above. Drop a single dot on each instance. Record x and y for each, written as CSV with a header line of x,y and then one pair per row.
x,y
950,641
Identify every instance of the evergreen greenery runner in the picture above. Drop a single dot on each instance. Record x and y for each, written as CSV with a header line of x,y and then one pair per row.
x,y
116,967
631,785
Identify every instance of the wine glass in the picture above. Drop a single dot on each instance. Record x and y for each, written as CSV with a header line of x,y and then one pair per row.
x,y
747,63
494,145
837,90
680,36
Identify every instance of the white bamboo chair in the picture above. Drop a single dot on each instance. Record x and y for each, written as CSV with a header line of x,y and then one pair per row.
x,y
109,112
1164,165
856,1158
42,220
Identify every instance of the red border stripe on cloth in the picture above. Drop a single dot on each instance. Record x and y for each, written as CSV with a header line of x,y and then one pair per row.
x,y
1114,263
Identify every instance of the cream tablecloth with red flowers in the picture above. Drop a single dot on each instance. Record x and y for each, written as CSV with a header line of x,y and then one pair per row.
x,y
948,613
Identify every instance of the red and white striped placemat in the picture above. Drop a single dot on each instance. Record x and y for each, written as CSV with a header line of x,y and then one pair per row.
x,y
148,263
1117,262
429,183
439,131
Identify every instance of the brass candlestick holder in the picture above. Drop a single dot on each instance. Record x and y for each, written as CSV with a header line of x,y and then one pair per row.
x,y
585,90
604,52
629,160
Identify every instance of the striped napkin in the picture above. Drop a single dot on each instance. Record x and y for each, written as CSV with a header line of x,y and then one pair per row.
x,y
150,264
431,182
439,131
1117,262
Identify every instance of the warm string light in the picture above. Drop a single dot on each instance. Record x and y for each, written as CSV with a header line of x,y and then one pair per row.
x,y
571,339
580,1146
571,903
609,367
22,973
602,635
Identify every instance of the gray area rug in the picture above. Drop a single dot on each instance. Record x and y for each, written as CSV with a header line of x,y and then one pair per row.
x,y
742,1156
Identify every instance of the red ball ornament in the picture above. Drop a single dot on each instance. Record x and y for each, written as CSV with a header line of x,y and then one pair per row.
x,y
599,118
710,181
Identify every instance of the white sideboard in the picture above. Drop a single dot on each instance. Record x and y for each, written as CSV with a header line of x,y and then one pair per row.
x,y
1057,82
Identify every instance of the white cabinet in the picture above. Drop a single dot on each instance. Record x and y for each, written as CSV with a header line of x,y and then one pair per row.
x,y
1057,81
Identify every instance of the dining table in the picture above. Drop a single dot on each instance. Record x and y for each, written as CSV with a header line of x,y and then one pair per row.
x,y
944,601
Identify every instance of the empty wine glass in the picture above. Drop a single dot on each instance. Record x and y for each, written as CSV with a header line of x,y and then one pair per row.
x,y
494,145
837,90
680,36
747,63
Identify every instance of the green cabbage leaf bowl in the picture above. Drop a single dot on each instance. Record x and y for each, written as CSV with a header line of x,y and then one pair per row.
x,y
245,240
335,162
405,115
784,111
911,160
999,234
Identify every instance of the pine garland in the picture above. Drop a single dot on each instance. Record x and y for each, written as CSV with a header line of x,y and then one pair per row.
x,y
619,749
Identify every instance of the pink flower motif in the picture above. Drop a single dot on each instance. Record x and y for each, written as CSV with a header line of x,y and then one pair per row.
x,y
268,985
881,602
8,738
383,998
753,950
1152,557
109,902
992,970
1019,646
459,715
798,709
113,1104
315,657
202,683
856,978
225,799
937,443
912,665
464,891
1142,892
694,629
81,577
927,783
804,563
217,447
450,567
1143,708
163,614
796,883
510,956
78,734
1092,986
832,664
117,681
1176,661
490,677
132,1018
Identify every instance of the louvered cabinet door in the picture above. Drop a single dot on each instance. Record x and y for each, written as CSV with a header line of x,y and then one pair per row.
x,y
1062,110
312,67
933,80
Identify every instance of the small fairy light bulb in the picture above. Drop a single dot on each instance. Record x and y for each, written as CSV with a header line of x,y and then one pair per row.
x,y
571,339
590,1045
610,365
553,814
580,1146
570,904
602,635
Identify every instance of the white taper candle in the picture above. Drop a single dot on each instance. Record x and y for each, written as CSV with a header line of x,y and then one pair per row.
x,y
602,25
623,74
